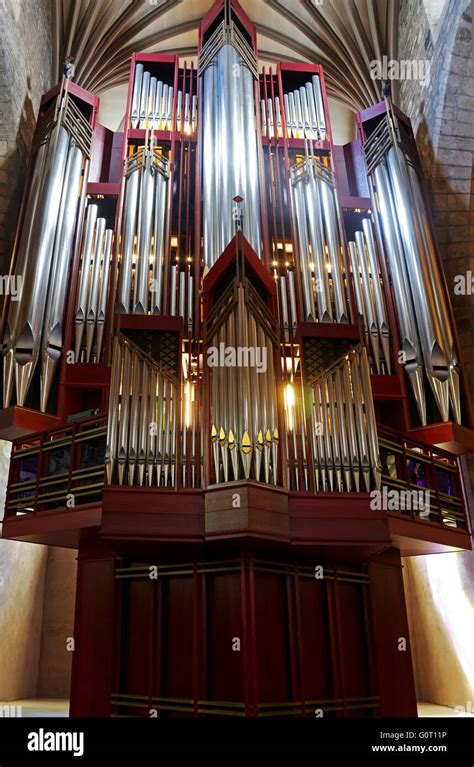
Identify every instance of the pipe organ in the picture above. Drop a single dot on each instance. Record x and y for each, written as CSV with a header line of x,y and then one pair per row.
x,y
242,308
423,314
34,324
228,67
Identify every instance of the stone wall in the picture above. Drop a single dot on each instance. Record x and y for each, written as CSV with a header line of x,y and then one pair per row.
x,y
442,114
439,592
54,671
439,588
25,74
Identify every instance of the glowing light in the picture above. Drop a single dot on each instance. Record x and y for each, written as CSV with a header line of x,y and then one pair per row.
x,y
454,607
188,398
290,405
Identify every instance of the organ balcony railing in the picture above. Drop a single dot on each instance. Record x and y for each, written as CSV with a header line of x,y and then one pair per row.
x,y
64,468
430,479
56,469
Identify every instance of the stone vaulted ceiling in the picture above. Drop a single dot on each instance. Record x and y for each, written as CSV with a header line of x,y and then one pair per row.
x,y
343,35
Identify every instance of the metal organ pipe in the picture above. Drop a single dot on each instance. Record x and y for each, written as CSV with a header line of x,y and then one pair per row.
x,y
152,103
150,107
136,96
128,238
104,285
380,310
81,305
229,130
25,338
142,423
344,430
91,302
145,218
368,297
160,238
316,221
209,178
145,212
34,324
53,333
157,106
435,354
144,99
410,343
318,97
434,277
301,224
93,297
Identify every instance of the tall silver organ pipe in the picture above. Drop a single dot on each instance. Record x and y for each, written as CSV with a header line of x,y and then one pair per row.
x,y
230,165
369,296
243,397
145,232
143,420
304,108
34,324
319,243
25,318
152,104
433,321
422,310
433,276
136,95
91,300
411,357
53,335
343,427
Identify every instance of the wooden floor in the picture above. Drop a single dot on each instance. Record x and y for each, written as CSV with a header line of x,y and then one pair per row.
x,y
432,709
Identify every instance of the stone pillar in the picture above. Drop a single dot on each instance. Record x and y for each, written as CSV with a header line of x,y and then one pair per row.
x,y
25,74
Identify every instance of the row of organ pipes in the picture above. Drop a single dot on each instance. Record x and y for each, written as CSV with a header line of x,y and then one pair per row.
x,y
230,165
246,431
424,321
370,301
244,421
319,242
153,105
303,110
143,420
92,295
34,327
145,241
337,430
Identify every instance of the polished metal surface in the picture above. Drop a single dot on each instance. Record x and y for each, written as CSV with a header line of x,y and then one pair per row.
x,y
230,165
53,329
22,338
411,357
136,96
